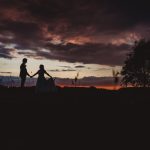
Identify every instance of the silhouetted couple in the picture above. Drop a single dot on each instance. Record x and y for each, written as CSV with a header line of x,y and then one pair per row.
x,y
42,84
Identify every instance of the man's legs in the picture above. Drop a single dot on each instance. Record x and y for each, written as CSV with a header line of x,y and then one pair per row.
x,y
23,82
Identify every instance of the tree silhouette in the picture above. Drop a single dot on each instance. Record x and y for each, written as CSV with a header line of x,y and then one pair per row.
x,y
136,70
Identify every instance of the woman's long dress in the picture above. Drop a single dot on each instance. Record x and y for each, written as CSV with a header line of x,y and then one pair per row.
x,y
41,85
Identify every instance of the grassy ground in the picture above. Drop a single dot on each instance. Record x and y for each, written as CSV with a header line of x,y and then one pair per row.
x,y
76,96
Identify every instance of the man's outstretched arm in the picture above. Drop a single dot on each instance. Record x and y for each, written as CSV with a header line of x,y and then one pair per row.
x,y
28,74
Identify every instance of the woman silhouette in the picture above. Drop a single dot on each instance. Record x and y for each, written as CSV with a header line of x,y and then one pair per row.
x,y
41,85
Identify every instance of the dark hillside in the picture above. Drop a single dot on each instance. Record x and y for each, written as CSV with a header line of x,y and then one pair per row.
x,y
76,96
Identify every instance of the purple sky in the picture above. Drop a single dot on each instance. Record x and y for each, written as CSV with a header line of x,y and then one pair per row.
x,y
71,32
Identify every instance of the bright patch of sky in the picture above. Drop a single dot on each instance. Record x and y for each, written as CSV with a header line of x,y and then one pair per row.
x,y
55,68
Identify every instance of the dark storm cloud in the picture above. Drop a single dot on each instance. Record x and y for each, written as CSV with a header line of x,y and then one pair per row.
x,y
77,31
24,35
88,53
5,52
104,14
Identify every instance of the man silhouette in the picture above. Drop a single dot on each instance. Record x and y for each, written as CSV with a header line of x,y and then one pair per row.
x,y
23,72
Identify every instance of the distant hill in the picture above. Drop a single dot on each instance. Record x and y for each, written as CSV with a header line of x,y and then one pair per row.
x,y
86,81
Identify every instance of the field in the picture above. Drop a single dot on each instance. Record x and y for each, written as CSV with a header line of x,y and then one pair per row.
x,y
76,96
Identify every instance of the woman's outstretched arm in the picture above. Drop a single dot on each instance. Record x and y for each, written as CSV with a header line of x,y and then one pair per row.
x,y
35,74
48,74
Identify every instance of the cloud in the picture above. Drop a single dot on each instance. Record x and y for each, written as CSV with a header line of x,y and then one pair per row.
x,y
88,53
65,67
5,72
5,52
79,66
68,70
64,70
92,31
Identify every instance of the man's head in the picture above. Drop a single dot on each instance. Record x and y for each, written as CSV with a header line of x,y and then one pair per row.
x,y
24,60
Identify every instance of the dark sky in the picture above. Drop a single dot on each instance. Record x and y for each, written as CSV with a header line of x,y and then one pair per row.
x,y
86,31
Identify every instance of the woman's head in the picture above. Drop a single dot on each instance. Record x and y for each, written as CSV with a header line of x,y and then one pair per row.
x,y
42,67
24,60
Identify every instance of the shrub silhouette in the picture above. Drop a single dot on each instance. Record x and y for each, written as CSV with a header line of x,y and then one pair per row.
x,y
115,78
136,70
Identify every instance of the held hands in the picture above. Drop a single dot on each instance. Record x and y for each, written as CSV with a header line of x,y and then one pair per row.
x,y
31,76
